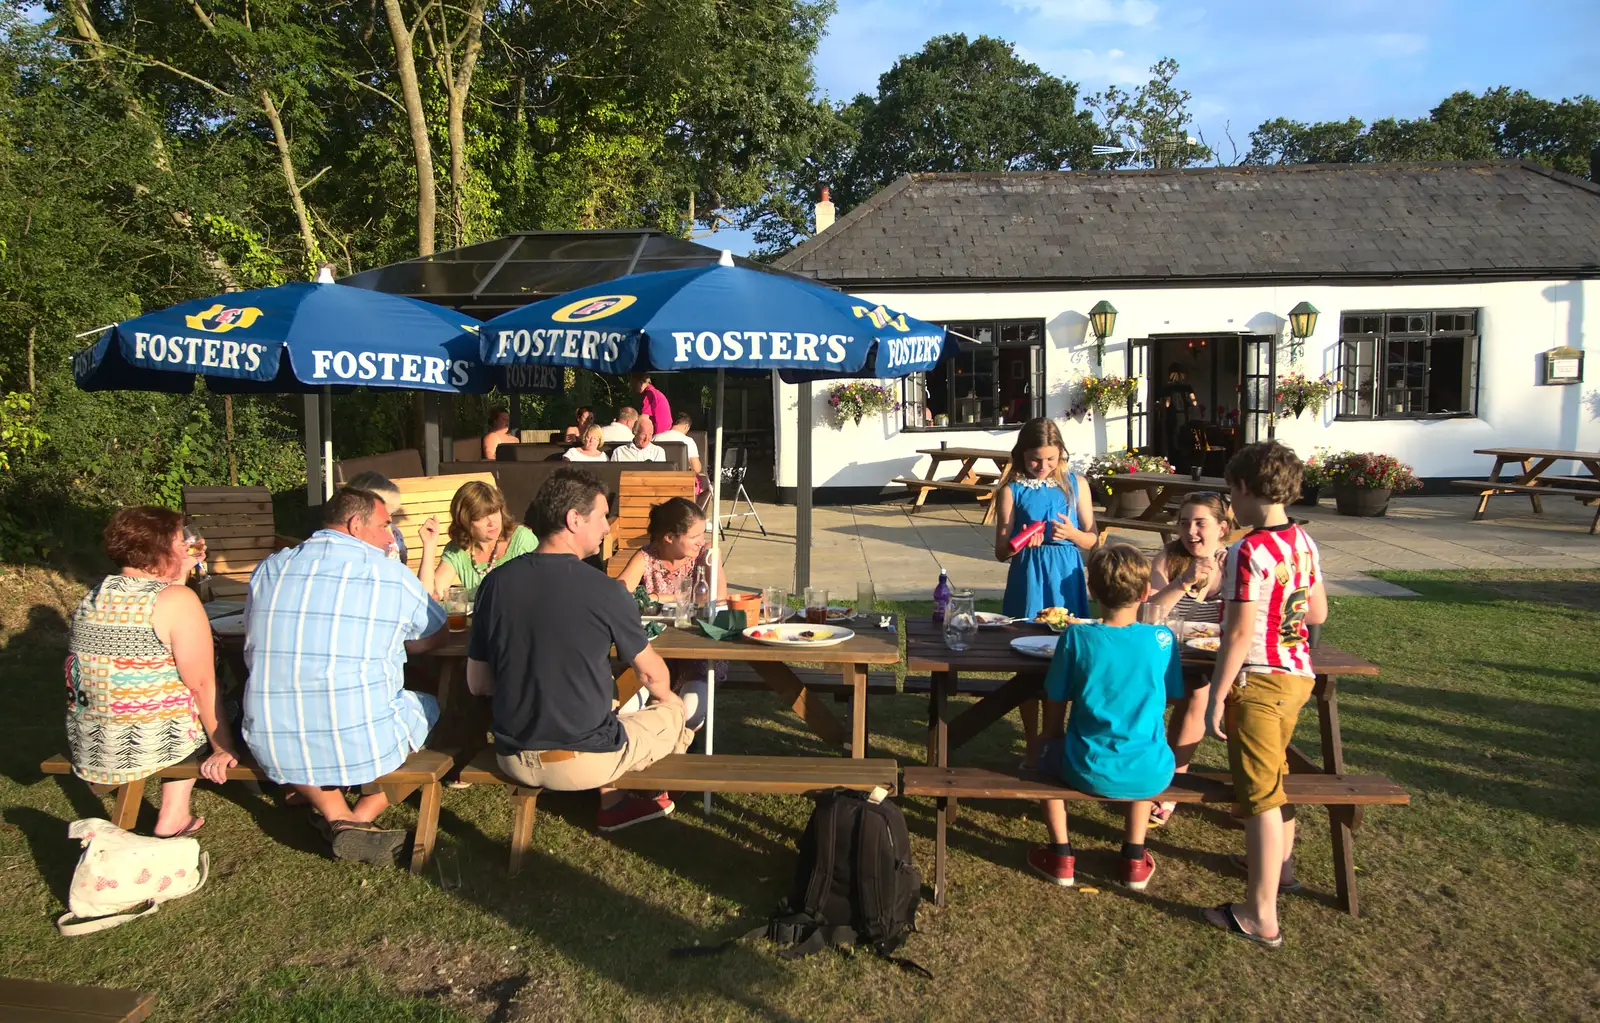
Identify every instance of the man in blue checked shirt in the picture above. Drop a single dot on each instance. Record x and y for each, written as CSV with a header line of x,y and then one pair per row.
x,y
328,627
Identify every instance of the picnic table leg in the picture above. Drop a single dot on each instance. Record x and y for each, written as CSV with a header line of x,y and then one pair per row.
x,y
1342,820
940,685
802,700
427,826
526,799
1483,498
855,676
130,796
940,825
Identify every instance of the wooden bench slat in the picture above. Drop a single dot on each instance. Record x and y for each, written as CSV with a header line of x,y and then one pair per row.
x,y
22,999
1193,787
1102,523
420,767
955,485
744,678
1525,488
774,775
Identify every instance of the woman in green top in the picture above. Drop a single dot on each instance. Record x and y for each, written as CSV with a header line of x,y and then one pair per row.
x,y
483,535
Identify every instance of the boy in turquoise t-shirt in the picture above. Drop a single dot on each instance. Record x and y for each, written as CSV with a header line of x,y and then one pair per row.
x,y
1118,675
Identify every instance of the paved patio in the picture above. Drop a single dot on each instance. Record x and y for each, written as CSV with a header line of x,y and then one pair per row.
x,y
902,552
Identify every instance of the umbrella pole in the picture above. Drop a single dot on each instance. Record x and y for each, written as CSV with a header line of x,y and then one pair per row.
x,y
716,553
312,427
326,442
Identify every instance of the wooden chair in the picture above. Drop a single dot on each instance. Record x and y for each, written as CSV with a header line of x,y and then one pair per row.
x,y
637,493
423,770
393,464
238,528
423,496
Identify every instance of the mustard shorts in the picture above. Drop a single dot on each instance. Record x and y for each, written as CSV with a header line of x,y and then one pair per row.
x,y
1261,713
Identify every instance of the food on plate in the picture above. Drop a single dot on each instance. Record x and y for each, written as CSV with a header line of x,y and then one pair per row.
x,y
1208,643
813,635
764,634
1198,629
839,614
1055,617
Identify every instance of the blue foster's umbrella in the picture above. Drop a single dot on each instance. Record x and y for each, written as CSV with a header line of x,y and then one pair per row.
x,y
720,317
298,337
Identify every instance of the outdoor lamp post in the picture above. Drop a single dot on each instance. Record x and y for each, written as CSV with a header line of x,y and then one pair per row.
x,y
1102,320
1302,322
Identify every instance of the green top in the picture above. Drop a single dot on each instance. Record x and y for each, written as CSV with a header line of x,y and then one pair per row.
x,y
470,574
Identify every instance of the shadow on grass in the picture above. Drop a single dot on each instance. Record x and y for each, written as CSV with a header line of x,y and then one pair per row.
x,y
1557,587
31,661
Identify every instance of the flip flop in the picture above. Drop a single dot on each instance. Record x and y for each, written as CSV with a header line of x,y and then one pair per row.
x,y
1242,865
194,825
364,842
1227,921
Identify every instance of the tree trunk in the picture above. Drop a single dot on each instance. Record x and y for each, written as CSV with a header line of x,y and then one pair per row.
x,y
405,62
32,329
286,159
460,88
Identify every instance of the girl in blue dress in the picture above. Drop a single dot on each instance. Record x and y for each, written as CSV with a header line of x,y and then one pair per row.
x,y
1048,572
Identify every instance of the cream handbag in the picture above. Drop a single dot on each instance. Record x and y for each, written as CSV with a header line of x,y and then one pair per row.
x,y
122,876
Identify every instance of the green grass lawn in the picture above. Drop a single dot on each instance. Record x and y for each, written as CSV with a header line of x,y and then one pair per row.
x,y
1478,898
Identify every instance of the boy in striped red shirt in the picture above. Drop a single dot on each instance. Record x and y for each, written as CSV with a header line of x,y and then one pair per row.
x,y
1272,585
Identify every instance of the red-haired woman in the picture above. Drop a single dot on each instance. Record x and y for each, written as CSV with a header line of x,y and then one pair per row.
x,y
141,681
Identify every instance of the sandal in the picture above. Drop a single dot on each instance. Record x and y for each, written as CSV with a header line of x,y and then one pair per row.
x,y
194,825
1160,813
366,842
1223,916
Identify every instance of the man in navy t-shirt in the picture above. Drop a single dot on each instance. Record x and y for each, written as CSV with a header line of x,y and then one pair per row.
x,y
1118,676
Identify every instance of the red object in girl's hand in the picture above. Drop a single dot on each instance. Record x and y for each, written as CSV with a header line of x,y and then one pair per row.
x,y
1025,537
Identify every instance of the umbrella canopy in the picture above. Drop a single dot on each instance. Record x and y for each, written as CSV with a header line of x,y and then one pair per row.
x,y
720,317
296,337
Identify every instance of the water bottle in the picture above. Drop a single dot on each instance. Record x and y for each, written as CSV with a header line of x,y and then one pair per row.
x,y
941,597
702,594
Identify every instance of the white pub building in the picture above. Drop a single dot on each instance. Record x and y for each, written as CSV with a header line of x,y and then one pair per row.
x,y
1454,303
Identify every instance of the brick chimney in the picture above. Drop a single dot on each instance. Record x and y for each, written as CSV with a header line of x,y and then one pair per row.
x,y
824,211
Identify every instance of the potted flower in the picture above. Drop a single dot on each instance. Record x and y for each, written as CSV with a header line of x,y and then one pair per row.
x,y
855,399
1363,481
1314,478
1100,393
1124,501
1298,393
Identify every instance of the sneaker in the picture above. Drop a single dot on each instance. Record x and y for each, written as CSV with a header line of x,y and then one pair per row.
x,y
1053,868
635,810
1136,873
360,842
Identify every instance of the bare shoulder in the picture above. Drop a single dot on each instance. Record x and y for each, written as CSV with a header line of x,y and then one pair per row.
x,y
179,598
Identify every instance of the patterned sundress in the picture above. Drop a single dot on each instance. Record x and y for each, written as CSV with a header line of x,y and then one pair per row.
x,y
661,581
128,713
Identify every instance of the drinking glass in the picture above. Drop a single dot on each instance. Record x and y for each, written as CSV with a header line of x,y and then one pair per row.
x,y
683,610
1149,614
455,608
960,621
816,605
773,604
866,596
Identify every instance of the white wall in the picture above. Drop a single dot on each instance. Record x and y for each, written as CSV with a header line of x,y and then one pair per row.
x,y
1518,321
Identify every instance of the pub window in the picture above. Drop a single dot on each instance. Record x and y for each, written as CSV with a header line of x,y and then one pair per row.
x,y
1408,364
990,374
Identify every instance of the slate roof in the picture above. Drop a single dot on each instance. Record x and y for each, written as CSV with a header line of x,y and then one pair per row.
x,y
1438,221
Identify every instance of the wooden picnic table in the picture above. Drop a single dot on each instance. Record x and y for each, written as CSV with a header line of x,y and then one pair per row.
x,y
991,652
1533,481
967,480
27,1000
1167,491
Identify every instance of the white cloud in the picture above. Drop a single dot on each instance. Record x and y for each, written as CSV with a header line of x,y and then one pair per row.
x,y
1125,12
1089,68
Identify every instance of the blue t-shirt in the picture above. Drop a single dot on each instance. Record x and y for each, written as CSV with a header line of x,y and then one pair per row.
x,y
1118,680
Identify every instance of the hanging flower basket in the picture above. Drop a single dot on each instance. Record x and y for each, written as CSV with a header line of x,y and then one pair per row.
x,y
855,399
1298,393
1100,393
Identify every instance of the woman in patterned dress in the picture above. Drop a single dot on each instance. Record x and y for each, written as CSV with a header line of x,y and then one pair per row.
x,y
677,548
141,680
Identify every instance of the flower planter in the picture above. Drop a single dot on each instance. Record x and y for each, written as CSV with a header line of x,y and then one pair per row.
x,y
1308,496
1128,503
1362,502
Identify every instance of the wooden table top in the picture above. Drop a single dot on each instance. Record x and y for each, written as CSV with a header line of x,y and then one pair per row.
x,y
38,1000
1177,483
991,652
1577,456
871,645
1002,457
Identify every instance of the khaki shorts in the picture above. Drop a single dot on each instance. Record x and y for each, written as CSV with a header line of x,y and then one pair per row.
x,y
651,734
1261,715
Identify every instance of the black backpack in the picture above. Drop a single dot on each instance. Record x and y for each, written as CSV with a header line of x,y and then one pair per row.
x,y
854,884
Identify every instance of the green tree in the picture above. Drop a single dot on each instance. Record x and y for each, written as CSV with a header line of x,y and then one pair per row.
x,y
1151,124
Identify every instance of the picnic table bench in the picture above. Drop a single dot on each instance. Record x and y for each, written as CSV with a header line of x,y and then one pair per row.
x,y
991,653
422,771
38,1001
967,480
1534,481
1167,491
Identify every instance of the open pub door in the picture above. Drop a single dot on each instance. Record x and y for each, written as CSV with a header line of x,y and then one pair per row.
x,y
1258,387
1139,404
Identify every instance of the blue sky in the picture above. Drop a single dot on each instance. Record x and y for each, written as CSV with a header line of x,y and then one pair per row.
x,y
1246,61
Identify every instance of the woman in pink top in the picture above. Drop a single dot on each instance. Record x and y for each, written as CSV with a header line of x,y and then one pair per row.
x,y
652,403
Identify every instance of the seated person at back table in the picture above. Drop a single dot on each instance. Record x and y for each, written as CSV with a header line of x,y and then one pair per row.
x,y
1118,676
676,552
327,631
679,434
590,449
644,448
499,433
621,431
571,435
483,536
542,635
378,483
585,416
141,680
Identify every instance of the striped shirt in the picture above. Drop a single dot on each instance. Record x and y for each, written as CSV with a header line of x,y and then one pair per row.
x,y
325,633
1275,567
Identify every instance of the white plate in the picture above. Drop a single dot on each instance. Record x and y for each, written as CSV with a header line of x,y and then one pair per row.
x,y
789,635
1195,630
1206,645
1042,647
229,625
990,620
